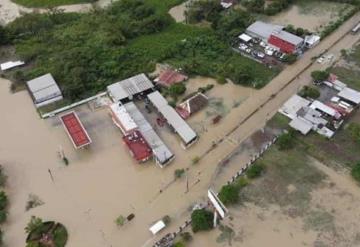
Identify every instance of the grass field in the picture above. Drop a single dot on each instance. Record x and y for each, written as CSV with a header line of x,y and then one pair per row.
x,y
49,3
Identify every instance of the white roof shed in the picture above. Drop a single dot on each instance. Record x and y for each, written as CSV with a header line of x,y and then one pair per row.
x,y
157,227
44,90
301,125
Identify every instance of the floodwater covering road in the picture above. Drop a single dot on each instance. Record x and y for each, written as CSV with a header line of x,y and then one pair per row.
x,y
89,194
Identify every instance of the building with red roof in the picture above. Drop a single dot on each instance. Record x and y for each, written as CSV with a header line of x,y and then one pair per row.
x,y
138,147
170,77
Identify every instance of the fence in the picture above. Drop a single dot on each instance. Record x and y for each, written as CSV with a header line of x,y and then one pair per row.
x,y
168,239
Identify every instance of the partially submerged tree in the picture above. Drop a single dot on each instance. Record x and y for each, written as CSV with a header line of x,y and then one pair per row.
x,y
201,220
120,221
34,223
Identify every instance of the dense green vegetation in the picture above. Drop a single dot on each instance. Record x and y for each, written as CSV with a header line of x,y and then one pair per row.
x,y
49,3
286,141
320,75
255,170
355,171
201,220
309,92
130,37
229,194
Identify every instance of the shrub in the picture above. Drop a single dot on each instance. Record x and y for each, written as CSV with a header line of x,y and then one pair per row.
x,y
320,75
179,173
309,92
255,170
177,89
120,221
229,194
355,172
221,80
241,182
201,220
3,177
290,58
195,160
3,216
186,236
179,244
286,141
166,219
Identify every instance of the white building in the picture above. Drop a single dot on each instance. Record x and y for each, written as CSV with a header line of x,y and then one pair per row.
x,y
44,90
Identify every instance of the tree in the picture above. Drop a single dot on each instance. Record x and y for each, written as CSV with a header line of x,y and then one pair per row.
x,y
355,171
229,194
255,5
3,216
201,220
319,75
186,236
255,170
3,200
34,223
309,92
179,244
285,141
177,89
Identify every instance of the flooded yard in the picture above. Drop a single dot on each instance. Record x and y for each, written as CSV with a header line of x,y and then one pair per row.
x,y
311,15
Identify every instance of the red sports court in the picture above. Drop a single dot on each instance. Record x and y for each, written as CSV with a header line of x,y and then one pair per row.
x,y
138,146
75,130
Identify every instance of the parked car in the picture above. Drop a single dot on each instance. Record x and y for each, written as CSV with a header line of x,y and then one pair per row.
x,y
260,54
263,44
243,47
248,50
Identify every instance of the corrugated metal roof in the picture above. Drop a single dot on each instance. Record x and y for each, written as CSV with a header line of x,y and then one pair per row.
x,y
44,88
263,29
129,87
172,117
301,125
350,95
160,150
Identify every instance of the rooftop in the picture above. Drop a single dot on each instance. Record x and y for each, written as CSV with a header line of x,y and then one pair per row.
x,y
172,117
263,29
293,105
129,87
162,153
169,77
138,146
288,37
44,90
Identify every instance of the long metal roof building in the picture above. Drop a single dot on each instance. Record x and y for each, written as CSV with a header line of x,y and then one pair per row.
x,y
161,152
186,133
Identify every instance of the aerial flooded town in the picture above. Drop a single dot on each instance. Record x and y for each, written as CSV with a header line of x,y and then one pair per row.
x,y
173,123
